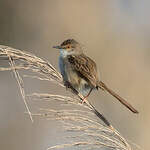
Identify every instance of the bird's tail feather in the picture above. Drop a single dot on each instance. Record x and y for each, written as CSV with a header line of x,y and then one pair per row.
x,y
124,102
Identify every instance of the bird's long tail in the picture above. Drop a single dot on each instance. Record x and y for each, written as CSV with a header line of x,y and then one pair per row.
x,y
121,100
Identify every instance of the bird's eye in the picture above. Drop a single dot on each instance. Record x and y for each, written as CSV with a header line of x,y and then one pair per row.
x,y
68,46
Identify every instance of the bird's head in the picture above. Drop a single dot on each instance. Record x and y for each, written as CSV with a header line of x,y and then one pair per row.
x,y
69,47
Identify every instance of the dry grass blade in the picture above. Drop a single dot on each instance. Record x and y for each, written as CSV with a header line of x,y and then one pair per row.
x,y
20,83
74,116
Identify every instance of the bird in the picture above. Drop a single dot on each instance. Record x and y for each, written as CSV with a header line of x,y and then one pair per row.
x,y
81,72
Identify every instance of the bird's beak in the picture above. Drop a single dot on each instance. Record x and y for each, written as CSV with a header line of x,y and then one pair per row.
x,y
57,47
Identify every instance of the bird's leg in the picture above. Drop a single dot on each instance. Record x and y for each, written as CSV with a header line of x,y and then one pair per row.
x,y
68,85
84,99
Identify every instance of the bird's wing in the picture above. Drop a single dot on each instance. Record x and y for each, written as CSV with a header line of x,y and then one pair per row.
x,y
85,67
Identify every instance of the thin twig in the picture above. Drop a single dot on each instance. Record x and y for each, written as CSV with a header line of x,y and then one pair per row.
x,y
20,83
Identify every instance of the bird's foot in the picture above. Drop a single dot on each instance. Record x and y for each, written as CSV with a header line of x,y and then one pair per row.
x,y
83,100
67,84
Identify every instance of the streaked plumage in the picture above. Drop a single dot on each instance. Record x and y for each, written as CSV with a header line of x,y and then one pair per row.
x,y
81,71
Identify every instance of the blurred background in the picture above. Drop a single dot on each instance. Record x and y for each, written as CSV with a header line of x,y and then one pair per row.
x,y
115,33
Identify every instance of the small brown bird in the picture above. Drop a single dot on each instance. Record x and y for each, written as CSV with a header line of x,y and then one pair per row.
x,y
81,71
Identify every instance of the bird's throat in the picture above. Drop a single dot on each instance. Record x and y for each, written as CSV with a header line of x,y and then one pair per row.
x,y
63,53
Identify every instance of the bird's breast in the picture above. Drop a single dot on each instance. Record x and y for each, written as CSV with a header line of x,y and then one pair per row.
x,y
73,77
